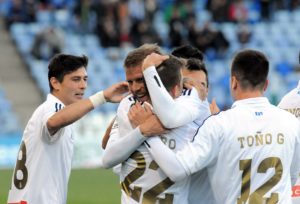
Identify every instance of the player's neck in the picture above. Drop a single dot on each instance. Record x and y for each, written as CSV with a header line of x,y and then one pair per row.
x,y
248,94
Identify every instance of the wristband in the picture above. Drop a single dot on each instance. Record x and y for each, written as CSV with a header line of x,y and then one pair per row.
x,y
97,99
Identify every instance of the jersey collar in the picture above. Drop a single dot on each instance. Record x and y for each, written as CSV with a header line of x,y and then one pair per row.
x,y
51,97
251,101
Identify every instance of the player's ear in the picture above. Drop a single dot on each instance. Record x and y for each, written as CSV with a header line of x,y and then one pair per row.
x,y
233,83
266,85
177,90
174,91
55,83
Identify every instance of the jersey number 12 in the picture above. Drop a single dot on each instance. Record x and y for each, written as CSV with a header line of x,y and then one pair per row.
x,y
257,196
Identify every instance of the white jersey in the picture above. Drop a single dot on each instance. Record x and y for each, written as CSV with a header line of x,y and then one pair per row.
x,y
200,191
44,162
291,103
249,151
141,178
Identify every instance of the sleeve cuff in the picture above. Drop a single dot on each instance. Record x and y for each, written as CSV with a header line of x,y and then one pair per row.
x,y
150,71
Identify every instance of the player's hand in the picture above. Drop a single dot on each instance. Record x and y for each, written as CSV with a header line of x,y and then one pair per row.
x,y
188,83
202,92
214,109
153,59
152,127
116,92
139,113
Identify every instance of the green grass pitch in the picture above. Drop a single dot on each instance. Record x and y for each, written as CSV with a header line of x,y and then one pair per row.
x,y
86,186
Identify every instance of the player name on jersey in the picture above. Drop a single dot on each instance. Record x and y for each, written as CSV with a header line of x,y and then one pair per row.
x,y
260,139
294,111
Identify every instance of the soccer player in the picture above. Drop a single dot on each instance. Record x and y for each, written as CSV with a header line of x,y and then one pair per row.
x,y
251,151
141,179
133,63
291,103
195,73
44,160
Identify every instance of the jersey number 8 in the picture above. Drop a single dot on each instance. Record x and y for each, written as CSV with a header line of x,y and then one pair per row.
x,y
21,173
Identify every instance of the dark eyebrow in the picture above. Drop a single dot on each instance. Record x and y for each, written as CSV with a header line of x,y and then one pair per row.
x,y
78,77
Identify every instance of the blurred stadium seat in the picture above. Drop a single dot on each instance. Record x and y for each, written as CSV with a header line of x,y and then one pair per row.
x,y
9,123
276,37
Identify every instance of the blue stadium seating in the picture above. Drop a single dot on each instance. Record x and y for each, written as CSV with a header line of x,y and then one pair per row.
x,y
277,39
9,123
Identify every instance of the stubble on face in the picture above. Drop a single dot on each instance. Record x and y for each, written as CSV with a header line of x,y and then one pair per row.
x,y
137,85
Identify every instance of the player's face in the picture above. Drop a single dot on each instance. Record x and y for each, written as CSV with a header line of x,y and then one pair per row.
x,y
72,87
198,80
137,87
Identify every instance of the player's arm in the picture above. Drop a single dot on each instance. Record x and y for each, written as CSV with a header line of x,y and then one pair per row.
x,y
118,150
106,135
166,159
170,113
120,147
115,152
75,111
193,157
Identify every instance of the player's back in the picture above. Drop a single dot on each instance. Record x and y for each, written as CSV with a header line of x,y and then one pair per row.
x,y
256,148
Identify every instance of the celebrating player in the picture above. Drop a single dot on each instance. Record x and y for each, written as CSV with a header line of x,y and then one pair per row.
x,y
44,160
142,180
252,151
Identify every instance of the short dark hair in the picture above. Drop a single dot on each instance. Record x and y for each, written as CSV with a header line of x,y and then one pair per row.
x,y
193,64
187,52
251,68
62,64
170,72
194,58
137,56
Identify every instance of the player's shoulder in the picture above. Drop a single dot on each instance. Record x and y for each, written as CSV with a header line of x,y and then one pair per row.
x,y
186,92
52,104
285,113
126,102
290,99
189,92
128,99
